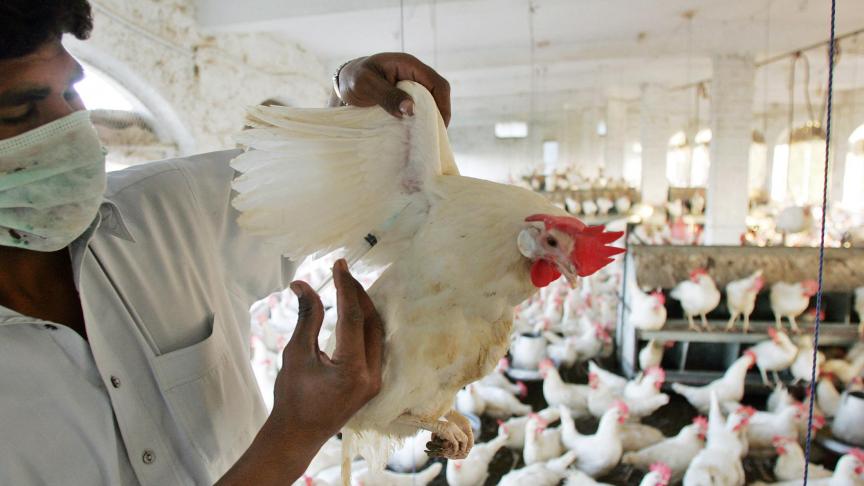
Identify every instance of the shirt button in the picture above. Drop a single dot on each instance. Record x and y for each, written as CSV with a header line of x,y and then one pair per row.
x,y
115,382
148,457
51,327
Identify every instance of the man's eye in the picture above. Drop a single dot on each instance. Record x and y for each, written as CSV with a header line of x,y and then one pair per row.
x,y
12,118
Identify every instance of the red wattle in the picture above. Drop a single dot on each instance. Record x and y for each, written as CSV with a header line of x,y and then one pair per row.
x,y
543,273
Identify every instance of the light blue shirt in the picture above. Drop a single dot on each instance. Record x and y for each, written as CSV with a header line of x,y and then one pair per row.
x,y
163,392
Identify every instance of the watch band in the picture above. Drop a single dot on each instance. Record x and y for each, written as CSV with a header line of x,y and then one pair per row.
x,y
342,102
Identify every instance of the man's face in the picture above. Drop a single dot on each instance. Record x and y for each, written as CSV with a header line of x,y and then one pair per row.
x,y
37,89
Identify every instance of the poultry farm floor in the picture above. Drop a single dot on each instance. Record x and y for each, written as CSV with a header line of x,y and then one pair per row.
x,y
669,419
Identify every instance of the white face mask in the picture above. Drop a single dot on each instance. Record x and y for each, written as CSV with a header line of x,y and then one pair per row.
x,y
52,180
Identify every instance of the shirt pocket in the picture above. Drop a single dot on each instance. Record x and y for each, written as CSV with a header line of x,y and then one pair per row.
x,y
211,398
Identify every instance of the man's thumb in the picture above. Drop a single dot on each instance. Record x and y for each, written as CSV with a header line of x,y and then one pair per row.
x,y
310,315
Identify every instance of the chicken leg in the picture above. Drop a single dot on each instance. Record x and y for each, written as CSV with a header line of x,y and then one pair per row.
x,y
705,324
692,325
730,326
452,437
794,325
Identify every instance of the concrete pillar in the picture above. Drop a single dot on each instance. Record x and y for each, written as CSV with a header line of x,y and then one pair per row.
x,y
570,138
844,123
731,124
616,138
590,150
654,134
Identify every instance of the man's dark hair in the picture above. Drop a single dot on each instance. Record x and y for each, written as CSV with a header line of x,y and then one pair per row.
x,y
27,24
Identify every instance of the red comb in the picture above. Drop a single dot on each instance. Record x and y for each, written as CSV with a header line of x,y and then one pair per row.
x,y
698,271
590,250
810,287
746,410
701,421
752,355
657,294
663,470
857,454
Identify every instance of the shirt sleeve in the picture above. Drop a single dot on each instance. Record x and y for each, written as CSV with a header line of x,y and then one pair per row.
x,y
254,265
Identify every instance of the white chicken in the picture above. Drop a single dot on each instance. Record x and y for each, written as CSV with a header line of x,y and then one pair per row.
x,y
390,478
698,297
719,463
728,388
843,370
778,353
790,461
636,436
610,380
514,429
790,300
764,426
474,469
659,474
557,392
676,452
589,207
779,398
645,311
602,398
848,472
549,473
371,180
576,477
412,455
604,204
741,298
827,395
802,367
498,379
596,454
652,353
589,344
645,386
622,204
562,351
541,442
793,219
493,401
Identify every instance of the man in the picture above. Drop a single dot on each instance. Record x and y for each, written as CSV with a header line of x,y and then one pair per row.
x,y
124,327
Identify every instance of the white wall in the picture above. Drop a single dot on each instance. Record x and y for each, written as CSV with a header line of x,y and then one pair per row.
x,y
196,85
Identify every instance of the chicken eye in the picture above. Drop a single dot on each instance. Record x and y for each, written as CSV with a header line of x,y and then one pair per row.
x,y
552,242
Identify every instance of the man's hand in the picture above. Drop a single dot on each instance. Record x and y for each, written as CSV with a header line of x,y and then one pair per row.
x,y
321,393
315,395
369,81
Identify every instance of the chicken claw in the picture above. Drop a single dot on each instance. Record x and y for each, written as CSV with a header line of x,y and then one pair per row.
x,y
452,437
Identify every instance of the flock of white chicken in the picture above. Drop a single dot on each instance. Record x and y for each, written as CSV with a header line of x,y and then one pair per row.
x,y
562,328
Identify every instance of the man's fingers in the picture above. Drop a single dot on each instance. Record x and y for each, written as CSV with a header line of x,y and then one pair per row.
x,y
349,326
310,315
397,102
373,331
437,86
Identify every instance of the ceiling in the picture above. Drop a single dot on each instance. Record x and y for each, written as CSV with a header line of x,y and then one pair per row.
x,y
584,50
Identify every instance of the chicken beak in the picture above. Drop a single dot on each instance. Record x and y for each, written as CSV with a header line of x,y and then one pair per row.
x,y
567,269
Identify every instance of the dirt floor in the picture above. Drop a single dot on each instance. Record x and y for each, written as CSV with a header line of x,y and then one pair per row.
x,y
669,419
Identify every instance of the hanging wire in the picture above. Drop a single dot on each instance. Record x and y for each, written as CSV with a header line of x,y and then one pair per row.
x,y
831,53
533,87
402,23
434,22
